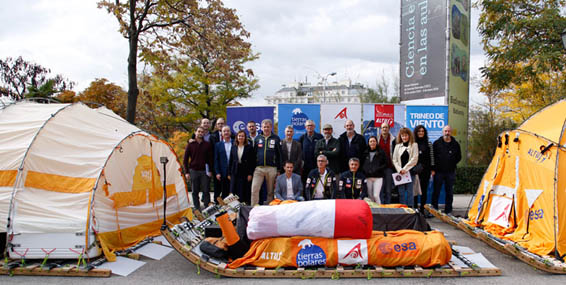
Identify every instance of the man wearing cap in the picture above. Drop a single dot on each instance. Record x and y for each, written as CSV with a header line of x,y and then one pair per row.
x,y
330,147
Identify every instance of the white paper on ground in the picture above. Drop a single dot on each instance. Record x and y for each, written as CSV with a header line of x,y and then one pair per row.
x,y
163,240
154,251
123,266
463,249
480,260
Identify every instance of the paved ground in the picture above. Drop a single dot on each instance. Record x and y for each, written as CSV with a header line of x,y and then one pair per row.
x,y
174,269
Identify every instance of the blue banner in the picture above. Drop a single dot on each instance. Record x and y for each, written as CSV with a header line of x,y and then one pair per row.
x,y
433,118
237,118
296,115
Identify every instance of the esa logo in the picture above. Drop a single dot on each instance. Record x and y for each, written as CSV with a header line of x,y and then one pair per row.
x,y
536,214
390,247
238,126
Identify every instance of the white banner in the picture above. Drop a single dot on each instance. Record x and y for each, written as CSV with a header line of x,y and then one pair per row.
x,y
337,114
500,210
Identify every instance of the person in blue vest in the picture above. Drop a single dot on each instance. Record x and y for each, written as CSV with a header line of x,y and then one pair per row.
x,y
222,151
308,143
267,148
352,184
321,182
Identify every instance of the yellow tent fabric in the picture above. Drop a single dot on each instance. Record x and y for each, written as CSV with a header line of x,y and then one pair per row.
x,y
526,168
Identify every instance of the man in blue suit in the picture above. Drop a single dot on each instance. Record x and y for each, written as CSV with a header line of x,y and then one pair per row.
x,y
221,162
288,185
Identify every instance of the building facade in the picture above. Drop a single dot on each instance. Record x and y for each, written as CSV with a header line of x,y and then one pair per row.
x,y
304,93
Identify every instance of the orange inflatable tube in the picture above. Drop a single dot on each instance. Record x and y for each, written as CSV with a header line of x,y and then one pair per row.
x,y
388,249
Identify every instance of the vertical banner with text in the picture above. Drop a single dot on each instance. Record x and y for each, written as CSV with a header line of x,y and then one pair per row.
x,y
433,118
459,72
423,49
237,118
296,115
337,114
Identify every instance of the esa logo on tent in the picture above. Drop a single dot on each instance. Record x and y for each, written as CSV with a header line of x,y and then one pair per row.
x,y
238,126
298,119
310,254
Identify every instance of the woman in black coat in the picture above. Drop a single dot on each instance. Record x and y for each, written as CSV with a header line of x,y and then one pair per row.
x,y
374,163
426,160
241,166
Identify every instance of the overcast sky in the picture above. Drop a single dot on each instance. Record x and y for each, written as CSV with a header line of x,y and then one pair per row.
x,y
357,39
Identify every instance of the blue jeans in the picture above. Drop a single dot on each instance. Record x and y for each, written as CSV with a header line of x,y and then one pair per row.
x,y
446,178
406,193
385,194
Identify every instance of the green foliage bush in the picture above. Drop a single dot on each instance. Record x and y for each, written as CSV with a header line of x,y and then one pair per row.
x,y
468,179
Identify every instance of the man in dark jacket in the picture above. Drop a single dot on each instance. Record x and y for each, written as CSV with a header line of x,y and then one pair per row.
x,y
308,142
330,147
267,148
447,154
291,150
352,144
321,182
198,154
352,184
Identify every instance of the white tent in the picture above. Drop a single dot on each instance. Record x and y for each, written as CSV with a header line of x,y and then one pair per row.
x,y
70,174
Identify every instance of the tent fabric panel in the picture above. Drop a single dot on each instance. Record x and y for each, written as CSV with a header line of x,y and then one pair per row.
x,y
8,177
486,185
59,183
136,172
19,124
5,195
76,142
127,237
40,211
541,123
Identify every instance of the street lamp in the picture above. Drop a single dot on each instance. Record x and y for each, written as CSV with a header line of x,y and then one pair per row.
x,y
563,35
324,81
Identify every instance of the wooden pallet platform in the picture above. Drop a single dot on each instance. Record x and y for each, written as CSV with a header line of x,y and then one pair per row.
x,y
35,269
187,248
545,263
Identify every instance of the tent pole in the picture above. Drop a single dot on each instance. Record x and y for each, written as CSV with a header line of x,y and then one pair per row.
x,y
164,161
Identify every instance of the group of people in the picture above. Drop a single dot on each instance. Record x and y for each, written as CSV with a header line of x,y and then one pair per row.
x,y
319,166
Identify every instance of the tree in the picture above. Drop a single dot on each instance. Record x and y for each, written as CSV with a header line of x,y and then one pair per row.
x,y
381,93
521,39
106,93
19,76
155,27
208,73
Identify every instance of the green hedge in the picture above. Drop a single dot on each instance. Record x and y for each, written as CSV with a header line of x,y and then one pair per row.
x,y
468,179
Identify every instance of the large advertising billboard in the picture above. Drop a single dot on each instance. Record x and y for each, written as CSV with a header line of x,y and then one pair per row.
x,y
459,72
296,115
238,117
423,49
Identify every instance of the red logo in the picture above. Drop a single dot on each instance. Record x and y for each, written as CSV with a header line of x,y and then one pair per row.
x,y
503,214
384,114
342,114
355,252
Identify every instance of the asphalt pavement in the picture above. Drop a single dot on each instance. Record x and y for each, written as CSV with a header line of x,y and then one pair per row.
x,y
174,269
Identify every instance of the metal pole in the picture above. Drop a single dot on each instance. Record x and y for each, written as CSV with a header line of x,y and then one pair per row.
x,y
164,161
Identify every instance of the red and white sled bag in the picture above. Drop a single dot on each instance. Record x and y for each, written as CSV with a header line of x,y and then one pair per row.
x,y
342,218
